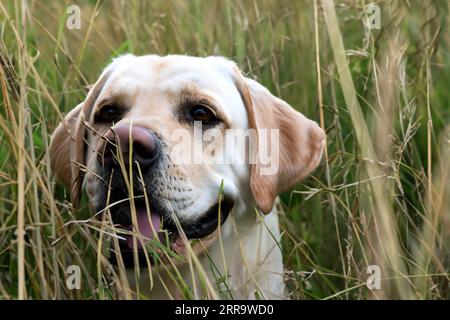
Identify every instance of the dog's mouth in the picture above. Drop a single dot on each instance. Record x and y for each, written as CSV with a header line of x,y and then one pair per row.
x,y
151,229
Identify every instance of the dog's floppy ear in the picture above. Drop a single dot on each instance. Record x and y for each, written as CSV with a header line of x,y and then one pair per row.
x,y
300,142
65,156
68,144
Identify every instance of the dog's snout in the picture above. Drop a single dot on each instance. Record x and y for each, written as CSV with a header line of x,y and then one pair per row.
x,y
141,142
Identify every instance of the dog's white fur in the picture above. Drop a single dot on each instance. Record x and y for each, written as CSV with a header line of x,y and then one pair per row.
x,y
251,258
248,251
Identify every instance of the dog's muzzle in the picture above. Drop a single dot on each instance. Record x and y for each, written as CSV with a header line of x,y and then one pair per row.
x,y
151,219
158,227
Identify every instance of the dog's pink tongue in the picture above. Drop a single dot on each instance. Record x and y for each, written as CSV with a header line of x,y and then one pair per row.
x,y
145,228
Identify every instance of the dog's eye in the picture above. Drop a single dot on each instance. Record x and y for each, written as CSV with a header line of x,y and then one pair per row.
x,y
107,113
203,114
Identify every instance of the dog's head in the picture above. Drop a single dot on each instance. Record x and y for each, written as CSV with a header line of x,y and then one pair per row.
x,y
137,145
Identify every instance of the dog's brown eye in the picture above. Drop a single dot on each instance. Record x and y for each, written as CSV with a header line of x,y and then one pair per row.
x,y
203,114
108,113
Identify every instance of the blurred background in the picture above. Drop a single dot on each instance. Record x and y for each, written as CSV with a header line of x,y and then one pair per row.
x,y
379,201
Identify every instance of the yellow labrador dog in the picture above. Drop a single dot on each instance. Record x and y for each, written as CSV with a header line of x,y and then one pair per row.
x,y
151,146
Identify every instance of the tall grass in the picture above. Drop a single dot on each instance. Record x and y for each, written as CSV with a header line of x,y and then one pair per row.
x,y
380,196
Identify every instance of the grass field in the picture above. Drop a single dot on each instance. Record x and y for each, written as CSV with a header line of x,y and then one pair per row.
x,y
381,195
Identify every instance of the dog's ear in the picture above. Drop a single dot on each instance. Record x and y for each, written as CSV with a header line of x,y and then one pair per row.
x,y
68,142
65,156
300,144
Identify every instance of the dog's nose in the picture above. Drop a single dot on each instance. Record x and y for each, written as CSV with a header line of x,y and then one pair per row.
x,y
142,143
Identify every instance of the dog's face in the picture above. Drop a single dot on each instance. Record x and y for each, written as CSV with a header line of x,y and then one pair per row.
x,y
133,145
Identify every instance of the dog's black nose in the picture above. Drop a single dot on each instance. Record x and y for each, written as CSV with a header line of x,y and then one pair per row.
x,y
124,139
